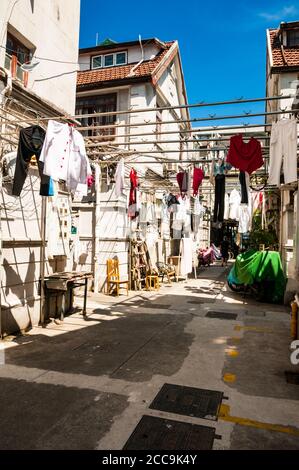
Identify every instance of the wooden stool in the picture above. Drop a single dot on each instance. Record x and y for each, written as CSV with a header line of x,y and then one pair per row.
x,y
148,282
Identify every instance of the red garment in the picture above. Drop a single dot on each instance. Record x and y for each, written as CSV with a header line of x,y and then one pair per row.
x,y
132,210
182,179
245,156
198,175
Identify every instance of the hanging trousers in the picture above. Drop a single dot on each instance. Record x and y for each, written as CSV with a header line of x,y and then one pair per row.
x,y
244,190
219,198
283,144
31,141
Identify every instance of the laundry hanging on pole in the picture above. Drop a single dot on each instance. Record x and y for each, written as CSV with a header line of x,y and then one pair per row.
x,y
245,156
198,176
64,156
31,140
132,209
283,146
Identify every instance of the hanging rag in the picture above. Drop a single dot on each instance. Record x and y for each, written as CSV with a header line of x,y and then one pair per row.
x,y
198,176
244,189
120,178
132,209
31,140
245,156
183,181
219,198
283,144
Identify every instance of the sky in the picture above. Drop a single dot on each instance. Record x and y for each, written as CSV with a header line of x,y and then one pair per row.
x,y
222,43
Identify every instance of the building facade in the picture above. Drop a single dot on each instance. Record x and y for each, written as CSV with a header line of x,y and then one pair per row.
x,y
144,77
37,80
282,78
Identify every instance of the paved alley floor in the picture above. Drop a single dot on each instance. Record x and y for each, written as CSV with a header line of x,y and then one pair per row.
x,y
86,383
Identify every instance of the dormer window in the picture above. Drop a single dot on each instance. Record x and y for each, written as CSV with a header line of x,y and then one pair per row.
x,y
109,60
293,37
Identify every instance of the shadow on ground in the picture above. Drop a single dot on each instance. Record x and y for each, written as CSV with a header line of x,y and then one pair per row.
x,y
43,416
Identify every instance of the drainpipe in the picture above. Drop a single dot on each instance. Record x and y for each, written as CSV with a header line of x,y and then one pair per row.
x,y
6,91
132,72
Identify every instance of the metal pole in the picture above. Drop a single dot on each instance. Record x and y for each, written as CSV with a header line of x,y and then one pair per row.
x,y
143,110
42,259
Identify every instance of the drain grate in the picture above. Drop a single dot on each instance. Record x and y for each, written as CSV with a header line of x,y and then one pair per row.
x,y
202,301
153,433
188,401
292,377
222,315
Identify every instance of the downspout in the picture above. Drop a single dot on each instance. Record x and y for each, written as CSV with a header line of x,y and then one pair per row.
x,y
96,232
6,91
132,72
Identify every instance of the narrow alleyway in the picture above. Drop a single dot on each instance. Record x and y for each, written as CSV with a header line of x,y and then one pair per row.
x,y
85,384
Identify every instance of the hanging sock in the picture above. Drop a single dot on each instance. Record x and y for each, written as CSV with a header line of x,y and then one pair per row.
x,y
198,176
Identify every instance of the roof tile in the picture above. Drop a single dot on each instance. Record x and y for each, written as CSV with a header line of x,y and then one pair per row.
x,y
290,55
145,69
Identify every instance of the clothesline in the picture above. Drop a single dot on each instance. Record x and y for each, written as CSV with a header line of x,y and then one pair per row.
x,y
142,110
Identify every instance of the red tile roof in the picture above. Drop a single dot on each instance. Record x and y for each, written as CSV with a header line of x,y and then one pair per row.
x,y
283,57
110,74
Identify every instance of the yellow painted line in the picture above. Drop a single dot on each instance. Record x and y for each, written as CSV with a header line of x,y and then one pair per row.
x,y
229,377
232,352
224,415
253,328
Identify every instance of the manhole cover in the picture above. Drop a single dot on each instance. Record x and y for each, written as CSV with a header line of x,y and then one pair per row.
x,y
188,401
292,377
222,315
153,433
201,301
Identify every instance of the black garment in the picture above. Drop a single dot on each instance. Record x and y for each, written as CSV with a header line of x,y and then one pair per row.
x,y
171,199
219,198
244,193
224,249
31,141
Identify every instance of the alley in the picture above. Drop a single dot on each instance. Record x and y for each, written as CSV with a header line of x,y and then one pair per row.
x,y
85,384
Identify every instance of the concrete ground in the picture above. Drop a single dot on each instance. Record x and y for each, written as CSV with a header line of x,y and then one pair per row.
x,y
86,383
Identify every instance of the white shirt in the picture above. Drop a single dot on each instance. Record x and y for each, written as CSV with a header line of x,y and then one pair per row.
x,y
64,155
120,178
234,204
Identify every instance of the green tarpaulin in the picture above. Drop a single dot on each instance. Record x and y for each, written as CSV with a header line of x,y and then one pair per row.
x,y
260,267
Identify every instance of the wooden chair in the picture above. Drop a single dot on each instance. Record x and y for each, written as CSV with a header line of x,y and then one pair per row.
x,y
113,276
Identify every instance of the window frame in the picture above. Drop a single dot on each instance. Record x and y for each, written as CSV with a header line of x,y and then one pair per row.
x,y
296,33
114,64
17,44
96,57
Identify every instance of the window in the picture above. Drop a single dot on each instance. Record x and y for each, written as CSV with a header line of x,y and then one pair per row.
x,y
109,60
98,104
121,58
293,37
16,55
97,62
16,48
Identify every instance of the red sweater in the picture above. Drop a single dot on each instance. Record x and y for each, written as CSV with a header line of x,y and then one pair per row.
x,y
245,156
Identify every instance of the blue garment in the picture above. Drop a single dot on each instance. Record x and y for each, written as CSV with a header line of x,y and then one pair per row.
x,y
220,169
